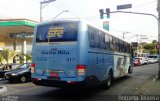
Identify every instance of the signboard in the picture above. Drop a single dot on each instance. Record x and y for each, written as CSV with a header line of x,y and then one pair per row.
x,y
126,6
106,25
21,35
56,32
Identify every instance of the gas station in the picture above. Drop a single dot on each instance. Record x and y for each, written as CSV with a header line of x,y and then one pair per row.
x,y
17,34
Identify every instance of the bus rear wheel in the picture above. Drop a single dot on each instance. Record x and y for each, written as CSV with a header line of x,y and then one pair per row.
x,y
108,82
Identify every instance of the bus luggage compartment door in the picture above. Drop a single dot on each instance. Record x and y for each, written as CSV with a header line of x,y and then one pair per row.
x,y
57,62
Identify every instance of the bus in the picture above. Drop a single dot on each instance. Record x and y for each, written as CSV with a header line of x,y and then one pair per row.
x,y
75,53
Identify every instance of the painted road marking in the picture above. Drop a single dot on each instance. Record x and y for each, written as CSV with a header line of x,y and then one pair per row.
x,y
21,91
3,89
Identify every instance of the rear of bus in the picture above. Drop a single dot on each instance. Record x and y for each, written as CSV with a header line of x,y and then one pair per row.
x,y
56,54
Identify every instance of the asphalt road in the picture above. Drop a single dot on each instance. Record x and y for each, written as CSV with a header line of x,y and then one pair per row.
x,y
120,87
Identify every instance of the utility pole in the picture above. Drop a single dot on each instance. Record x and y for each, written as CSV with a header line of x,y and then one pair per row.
x,y
158,9
137,45
46,2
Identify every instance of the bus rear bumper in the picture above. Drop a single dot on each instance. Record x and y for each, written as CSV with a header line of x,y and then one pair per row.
x,y
88,81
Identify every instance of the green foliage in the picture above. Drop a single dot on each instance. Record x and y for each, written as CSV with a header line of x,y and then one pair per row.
x,y
153,51
154,41
1,59
25,57
28,57
7,55
151,47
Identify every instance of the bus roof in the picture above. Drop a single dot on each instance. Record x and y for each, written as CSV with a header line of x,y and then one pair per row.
x,y
91,24
65,20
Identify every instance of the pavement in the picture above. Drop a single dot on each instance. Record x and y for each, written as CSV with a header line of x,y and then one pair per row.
x,y
2,88
151,87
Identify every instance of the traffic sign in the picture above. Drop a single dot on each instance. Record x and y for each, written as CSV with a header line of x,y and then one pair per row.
x,y
106,25
124,6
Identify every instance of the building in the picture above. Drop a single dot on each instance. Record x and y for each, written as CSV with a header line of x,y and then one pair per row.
x,y
17,34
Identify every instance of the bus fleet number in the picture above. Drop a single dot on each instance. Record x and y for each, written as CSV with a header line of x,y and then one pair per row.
x,y
71,59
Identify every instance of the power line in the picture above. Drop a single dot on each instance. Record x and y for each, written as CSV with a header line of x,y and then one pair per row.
x,y
61,7
145,4
91,17
70,9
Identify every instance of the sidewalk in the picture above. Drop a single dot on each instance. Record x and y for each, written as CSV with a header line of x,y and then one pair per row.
x,y
151,87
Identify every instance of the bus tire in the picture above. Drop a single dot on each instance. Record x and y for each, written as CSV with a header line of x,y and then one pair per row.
x,y
129,70
108,81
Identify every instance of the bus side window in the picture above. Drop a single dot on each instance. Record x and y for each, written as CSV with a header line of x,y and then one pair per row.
x,y
128,48
96,38
93,37
102,40
111,43
107,42
121,46
90,37
125,47
114,44
118,48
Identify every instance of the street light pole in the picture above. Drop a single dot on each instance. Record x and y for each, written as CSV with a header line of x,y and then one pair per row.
x,y
158,9
41,6
40,12
60,13
125,33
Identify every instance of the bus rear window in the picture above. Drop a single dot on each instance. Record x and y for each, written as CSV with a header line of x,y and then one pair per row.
x,y
57,32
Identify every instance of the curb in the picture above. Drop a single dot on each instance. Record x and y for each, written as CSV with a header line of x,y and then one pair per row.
x,y
155,78
3,89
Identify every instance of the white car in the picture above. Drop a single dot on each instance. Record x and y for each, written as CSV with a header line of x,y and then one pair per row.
x,y
152,60
146,61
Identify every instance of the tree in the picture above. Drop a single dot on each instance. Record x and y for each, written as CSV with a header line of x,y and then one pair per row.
x,y
28,57
151,47
154,41
8,55
1,59
25,58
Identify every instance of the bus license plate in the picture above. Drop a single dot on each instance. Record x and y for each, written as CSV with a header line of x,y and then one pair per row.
x,y
53,78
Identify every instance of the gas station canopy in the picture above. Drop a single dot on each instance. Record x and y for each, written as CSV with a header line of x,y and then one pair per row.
x,y
16,28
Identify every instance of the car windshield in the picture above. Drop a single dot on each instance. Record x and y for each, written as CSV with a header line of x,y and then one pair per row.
x,y
136,58
24,66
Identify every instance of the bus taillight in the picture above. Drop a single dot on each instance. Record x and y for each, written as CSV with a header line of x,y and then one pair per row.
x,y
54,74
32,68
81,70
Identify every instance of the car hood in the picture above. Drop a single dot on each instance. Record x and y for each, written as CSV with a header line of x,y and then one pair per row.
x,y
17,71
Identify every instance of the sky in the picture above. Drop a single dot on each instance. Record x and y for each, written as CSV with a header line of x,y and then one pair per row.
x,y
135,27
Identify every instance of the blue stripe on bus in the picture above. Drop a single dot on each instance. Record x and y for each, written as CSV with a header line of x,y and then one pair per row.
x,y
103,53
